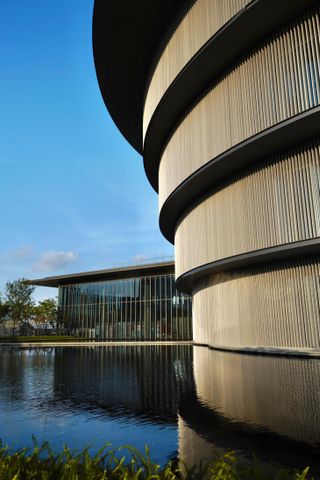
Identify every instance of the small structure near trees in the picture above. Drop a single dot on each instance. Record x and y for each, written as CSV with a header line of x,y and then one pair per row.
x,y
45,316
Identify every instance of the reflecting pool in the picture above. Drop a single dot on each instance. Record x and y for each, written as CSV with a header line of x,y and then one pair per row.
x,y
180,400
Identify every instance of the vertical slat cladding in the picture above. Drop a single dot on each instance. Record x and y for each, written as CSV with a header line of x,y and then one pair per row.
x,y
274,203
292,387
274,306
281,78
202,21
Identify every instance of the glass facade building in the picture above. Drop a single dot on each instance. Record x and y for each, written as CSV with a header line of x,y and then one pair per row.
x,y
137,303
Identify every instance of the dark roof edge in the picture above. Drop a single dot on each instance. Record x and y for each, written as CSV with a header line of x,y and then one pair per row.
x,y
285,136
107,274
127,39
280,253
251,25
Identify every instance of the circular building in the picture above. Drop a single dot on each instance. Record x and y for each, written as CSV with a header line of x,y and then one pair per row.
x,y
222,99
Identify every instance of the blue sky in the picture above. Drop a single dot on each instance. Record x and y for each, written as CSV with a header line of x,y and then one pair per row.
x,y
74,195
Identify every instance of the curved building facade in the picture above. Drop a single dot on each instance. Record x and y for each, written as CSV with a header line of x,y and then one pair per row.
x,y
227,117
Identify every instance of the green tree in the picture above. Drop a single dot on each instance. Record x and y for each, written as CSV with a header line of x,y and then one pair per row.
x,y
45,313
18,298
4,310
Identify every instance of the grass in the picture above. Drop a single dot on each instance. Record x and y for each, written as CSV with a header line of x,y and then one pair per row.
x,y
38,339
126,463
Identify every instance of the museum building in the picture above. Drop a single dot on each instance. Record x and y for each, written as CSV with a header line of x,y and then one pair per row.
x,y
138,302
221,97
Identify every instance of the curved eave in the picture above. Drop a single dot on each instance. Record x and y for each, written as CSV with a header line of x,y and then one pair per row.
x,y
294,131
252,24
126,38
185,283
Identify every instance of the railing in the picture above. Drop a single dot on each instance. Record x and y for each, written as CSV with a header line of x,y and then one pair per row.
x,y
145,261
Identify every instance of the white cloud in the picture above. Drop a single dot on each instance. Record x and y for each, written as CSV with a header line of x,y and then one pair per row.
x,y
50,261
22,253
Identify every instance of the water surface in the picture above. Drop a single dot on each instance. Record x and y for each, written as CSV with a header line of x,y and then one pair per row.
x,y
180,400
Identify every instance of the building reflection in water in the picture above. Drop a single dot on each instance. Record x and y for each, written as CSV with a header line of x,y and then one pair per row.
x,y
92,395
218,401
263,404
145,381
221,401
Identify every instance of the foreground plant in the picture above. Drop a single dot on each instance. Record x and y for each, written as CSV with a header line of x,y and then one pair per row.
x,y
43,464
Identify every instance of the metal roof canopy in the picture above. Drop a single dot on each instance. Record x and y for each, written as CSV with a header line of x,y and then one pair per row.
x,y
133,271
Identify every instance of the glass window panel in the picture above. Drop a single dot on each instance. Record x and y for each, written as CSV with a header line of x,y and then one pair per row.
x,y
114,310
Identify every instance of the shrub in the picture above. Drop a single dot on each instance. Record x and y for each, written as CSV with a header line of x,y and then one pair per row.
x,y
42,463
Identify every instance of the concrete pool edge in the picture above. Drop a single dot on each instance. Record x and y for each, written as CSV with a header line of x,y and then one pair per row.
x,y
93,343
277,351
